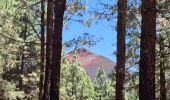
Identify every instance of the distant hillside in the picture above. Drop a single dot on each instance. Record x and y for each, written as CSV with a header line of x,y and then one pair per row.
x,y
90,61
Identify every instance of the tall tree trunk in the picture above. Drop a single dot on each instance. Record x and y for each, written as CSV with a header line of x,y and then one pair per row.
x,y
49,50
42,67
121,49
55,72
147,51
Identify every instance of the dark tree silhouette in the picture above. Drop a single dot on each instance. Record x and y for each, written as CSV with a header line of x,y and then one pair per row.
x,y
147,51
42,67
59,8
49,49
121,34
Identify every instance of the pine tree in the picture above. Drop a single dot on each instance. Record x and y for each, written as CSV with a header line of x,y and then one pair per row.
x,y
49,49
75,84
147,51
59,9
100,84
121,49
162,50
19,49
110,89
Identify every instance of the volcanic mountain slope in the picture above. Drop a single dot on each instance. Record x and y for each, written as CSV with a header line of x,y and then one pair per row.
x,y
91,61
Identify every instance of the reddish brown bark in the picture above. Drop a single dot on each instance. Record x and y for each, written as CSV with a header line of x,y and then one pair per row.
x,y
121,48
49,50
59,9
147,51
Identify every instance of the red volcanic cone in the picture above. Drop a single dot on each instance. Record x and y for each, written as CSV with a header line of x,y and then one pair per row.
x,y
91,61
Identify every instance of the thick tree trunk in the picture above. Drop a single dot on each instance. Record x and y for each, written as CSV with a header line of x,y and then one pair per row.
x,y
55,72
49,50
147,51
121,49
42,67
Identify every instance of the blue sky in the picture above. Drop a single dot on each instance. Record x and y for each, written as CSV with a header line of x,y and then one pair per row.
x,y
107,46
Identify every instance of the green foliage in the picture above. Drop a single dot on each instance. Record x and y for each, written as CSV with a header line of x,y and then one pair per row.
x,y
18,38
75,84
85,40
103,89
132,87
15,40
8,91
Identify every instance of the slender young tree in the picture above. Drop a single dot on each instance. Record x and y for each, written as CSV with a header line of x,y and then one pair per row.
x,y
42,67
100,84
75,84
59,8
147,51
121,45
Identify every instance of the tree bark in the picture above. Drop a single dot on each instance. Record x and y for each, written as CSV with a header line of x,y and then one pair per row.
x,y
59,9
49,50
147,51
121,49
42,67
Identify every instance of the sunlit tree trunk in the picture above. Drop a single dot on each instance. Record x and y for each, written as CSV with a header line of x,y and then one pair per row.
x,y
147,51
121,45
